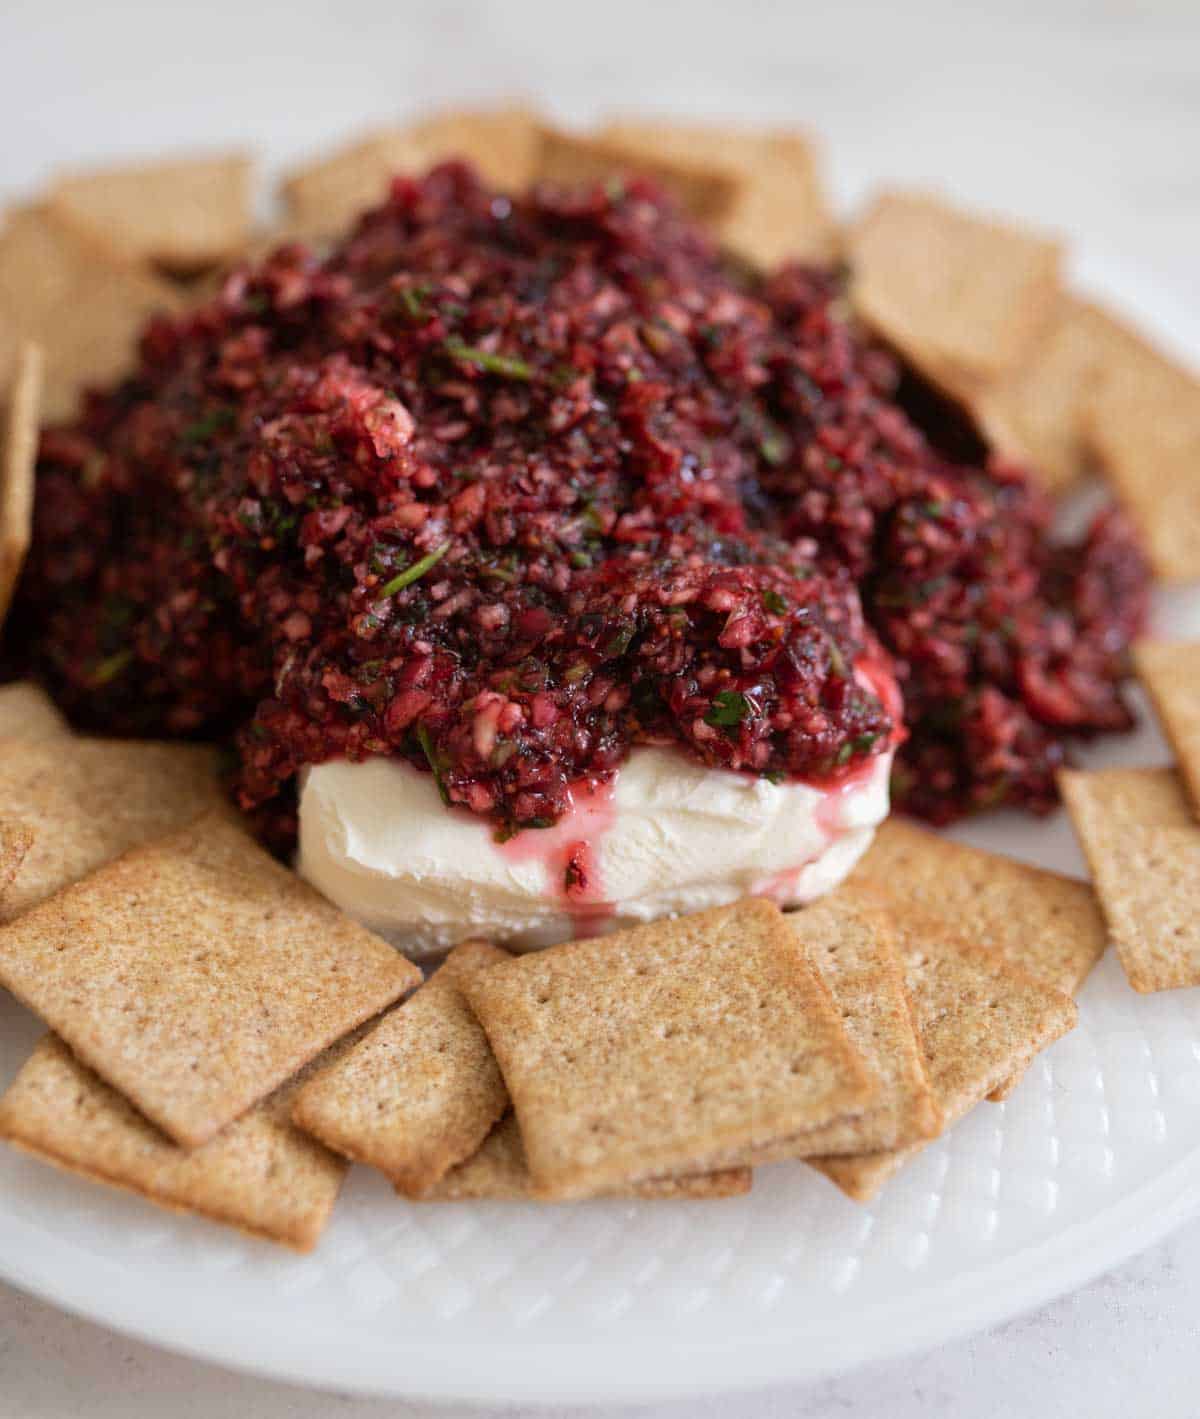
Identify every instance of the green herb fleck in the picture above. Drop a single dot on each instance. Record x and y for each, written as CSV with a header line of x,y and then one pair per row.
x,y
774,603
507,366
415,572
619,644
774,447
214,422
855,747
111,666
728,708
430,753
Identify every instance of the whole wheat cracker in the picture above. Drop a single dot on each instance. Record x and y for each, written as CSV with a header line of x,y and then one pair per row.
x,y
182,213
645,1053
87,800
979,1021
498,1172
195,974
706,192
84,306
421,1091
17,469
28,712
325,195
1137,831
961,296
851,941
15,841
779,210
261,1175
1170,671
1142,428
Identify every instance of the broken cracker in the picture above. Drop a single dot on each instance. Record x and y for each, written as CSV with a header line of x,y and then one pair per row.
x,y
979,1021
645,1053
960,296
1170,672
1142,843
261,1175
18,469
778,212
851,942
498,1172
184,214
326,195
706,192
195,974
28,712
422,1091
1142,427
88,800
84,306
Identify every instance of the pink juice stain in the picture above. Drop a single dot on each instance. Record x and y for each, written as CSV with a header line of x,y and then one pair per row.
x,y
570,853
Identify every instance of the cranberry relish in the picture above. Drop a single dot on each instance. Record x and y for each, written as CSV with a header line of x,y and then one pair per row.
x,y
505,486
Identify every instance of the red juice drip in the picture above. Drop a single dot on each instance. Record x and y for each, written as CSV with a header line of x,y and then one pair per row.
x,y
569,851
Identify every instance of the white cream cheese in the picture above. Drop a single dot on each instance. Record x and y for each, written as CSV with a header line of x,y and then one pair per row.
x,y
671,836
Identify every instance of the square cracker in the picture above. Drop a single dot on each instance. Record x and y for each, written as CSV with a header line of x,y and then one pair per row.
x,y
962,297
88,800
703,189
498,1172
1142,427
645,1053
1035,414
195,974
184,214
84,306
979,1023
328,194
421,1092
18,469
261,1175
779,211
850,940
1043,923
1170,671
28,712
1143,846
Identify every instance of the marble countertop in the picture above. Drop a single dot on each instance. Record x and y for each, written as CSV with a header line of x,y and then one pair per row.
x,y
1081,115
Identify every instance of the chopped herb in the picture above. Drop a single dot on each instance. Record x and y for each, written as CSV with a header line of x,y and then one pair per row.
x,y
111,666
214,422
728,708
619,644
575,673
580,560
774,447
507,366
413,573
774,603
854,747
430,753
774,776
412,300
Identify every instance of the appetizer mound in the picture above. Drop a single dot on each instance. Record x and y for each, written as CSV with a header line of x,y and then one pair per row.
x,y
504,486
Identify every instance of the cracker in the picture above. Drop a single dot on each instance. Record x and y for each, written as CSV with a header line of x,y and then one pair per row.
x,y
498,1172
195,974
961,297
15,841
18,469
84,306
979,1022
779,210
421,1092
1142,427
328,194
88,800
261,1175
28,712
1170,671
851,942
1143,847
184,214
1035,413
706,192
1045,924
645,1053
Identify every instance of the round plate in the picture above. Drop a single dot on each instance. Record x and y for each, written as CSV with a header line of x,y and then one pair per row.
x,y
1096,1155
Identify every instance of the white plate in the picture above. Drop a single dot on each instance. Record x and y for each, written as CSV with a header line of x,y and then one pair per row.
x,y
1096,1155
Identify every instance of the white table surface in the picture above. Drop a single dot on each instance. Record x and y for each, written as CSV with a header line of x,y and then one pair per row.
x,y
1083,115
